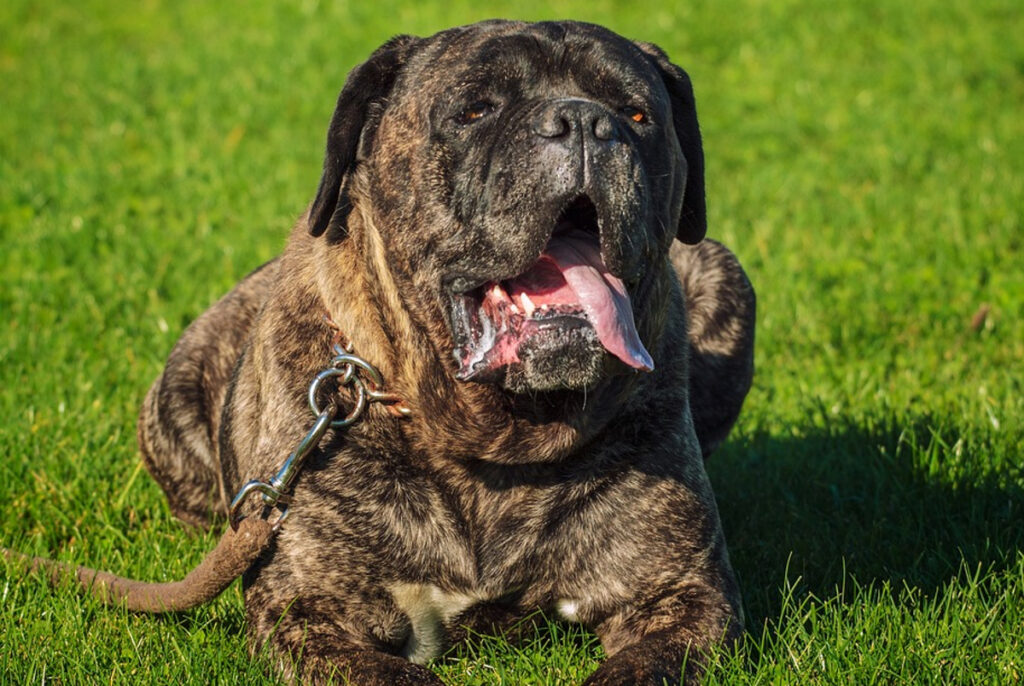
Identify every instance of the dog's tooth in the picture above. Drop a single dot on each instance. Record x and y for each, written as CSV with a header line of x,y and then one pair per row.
x,y
514,307
499,294
528,306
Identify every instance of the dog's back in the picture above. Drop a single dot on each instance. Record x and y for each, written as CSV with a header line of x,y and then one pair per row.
x,y
180,418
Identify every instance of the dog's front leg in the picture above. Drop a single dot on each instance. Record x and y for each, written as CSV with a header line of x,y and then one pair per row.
x,y
334,663
312,646
665,642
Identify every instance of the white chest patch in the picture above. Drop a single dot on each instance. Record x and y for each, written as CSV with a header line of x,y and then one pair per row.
x,y
428,609
568,610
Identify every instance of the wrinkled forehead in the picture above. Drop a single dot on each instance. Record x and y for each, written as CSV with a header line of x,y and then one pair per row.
x,y
550,58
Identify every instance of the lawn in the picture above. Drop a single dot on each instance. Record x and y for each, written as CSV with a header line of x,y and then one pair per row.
x,y
865,161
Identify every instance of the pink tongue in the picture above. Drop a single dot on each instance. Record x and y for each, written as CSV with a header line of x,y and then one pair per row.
x,y
602,295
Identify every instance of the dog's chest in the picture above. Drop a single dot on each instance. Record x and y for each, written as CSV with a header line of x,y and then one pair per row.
x,y
429,610
518,551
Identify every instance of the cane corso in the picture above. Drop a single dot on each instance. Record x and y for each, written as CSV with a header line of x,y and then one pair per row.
x,y
509,227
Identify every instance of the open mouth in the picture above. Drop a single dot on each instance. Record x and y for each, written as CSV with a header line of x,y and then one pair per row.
x,y
566,293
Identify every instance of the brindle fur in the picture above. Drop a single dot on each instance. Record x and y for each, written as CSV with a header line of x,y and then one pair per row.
x,y
591,503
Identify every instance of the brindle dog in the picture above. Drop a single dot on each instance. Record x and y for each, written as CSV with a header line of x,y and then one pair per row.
x,y
496,229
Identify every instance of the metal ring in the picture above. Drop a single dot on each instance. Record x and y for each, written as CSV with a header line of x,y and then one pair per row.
x,y
357,409
356,361
347,370
314,387
360,403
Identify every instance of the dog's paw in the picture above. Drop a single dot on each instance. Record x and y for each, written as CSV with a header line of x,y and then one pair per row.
x,y
367,668
396,673
638,669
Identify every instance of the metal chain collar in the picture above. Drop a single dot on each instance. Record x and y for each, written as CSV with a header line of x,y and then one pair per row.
x,y
367,384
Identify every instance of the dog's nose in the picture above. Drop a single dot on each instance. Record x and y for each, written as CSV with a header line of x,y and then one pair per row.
x,y
569,118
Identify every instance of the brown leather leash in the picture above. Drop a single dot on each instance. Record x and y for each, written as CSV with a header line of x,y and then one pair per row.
x,y
247,538
235,553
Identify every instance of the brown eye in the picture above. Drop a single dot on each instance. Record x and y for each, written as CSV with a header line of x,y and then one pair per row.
x,y
478,110
635,114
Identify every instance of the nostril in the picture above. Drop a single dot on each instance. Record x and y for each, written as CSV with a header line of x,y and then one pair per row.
x,y
552,125
604,128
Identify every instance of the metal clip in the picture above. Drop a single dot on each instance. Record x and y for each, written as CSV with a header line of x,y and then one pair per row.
x,y
348,369
274,492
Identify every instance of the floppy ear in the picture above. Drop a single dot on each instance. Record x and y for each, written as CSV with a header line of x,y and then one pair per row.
x,y
351,131
693,222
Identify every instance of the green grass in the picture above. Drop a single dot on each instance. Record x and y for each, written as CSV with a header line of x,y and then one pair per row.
x,y
865,161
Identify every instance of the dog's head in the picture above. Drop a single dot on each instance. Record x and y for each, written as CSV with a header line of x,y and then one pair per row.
x,y
527,181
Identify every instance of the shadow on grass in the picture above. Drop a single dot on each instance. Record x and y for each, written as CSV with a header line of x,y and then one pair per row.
x,y
897,502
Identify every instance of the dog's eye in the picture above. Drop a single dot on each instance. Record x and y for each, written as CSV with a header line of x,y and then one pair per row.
x,y
478,110
637,115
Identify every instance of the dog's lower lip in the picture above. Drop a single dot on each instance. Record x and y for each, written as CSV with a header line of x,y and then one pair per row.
x,y
461,285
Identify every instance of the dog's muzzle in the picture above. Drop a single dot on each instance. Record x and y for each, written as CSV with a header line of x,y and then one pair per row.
x,y
568,296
